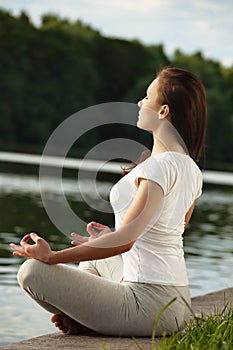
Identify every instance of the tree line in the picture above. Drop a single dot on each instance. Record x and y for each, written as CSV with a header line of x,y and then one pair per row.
x,y
51,71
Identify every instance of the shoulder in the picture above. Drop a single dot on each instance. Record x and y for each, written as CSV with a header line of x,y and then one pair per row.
x,y
155,168
178,168
163,162
177,161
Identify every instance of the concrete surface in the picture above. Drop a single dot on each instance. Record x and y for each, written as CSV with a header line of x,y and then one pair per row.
x,y
206,304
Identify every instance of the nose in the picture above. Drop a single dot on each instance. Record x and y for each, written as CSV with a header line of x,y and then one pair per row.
x,y
140,103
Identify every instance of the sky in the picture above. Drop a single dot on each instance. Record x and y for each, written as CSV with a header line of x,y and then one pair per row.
x,y
188,25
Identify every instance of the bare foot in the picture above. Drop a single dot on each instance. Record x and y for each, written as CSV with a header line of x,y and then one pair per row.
x,y
67,325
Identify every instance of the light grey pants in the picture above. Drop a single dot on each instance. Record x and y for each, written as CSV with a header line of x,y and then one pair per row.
x,y
103,304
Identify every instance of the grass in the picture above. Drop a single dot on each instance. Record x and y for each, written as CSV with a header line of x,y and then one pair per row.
x,y
212,332
206,332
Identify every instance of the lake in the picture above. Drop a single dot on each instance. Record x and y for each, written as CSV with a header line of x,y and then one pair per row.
x,y
208,241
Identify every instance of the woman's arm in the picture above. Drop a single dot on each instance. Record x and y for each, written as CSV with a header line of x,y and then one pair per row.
x,y
141,211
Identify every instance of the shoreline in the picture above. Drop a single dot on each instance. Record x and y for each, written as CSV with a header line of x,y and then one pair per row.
x,y
205,304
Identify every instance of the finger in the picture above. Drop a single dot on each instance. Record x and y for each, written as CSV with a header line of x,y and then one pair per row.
x,y
34,236
95,229
16,253
102,228
106,230
92,231
79,238
75,243
90,227
102,233
16,247
13,245
98,225
25,239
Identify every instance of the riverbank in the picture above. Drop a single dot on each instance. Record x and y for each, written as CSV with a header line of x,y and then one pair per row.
x,y
89,166
206,304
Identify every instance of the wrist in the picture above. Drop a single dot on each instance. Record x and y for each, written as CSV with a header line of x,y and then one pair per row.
x,y
51,259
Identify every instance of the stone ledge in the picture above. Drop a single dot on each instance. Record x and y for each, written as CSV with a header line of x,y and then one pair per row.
x,y
206,304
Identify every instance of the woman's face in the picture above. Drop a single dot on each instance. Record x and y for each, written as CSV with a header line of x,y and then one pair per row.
x,y
150,99
150,111
148,117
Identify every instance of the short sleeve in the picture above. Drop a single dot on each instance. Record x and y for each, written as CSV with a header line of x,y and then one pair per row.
x,y
199,186
156,170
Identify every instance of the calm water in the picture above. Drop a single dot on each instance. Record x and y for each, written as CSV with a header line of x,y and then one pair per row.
x,y
208,244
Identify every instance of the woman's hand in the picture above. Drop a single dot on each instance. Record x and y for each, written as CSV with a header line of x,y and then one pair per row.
x,y
40,250
94,229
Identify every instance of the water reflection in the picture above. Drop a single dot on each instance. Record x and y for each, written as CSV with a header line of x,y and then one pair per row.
x,y
208,243
21,318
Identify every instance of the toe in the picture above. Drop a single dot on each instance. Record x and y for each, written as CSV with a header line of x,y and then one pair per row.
x,y
55,317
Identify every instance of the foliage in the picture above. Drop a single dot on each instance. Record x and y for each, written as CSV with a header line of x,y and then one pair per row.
x,y
203,333
49,72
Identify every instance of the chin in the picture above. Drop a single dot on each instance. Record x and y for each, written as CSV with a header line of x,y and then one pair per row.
x,y
141,126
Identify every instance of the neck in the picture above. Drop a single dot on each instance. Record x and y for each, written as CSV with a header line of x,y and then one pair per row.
x,y
158,147
167,139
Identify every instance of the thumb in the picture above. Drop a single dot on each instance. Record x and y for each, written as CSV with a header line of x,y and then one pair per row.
x,y
34,236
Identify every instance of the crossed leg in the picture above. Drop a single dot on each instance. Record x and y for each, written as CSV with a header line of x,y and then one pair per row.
x,y
67,325
108,268
81,301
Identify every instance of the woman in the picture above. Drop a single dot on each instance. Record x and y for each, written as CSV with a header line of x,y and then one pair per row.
x,y
142,262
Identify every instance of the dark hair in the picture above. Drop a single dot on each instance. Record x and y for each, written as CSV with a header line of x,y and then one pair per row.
x,y
185,95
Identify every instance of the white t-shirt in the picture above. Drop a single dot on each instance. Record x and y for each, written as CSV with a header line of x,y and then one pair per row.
x,y
157,255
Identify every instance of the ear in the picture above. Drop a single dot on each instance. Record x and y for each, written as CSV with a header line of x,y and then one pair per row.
x,y
164,112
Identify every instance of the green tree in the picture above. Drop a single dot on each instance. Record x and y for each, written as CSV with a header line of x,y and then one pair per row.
x,y
50,72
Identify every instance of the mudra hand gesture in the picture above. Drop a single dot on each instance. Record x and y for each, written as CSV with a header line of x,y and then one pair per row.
x,y
41,250
94,229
